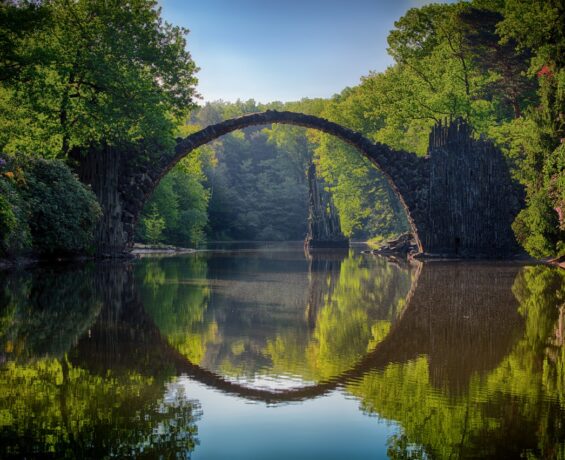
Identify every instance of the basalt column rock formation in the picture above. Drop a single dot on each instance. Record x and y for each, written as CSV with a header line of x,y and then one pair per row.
x,y
324,230
472,200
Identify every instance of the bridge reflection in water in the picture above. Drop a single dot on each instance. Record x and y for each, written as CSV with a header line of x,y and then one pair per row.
x,y
464,356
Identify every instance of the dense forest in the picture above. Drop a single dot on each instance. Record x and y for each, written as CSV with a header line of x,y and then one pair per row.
x,y
76,78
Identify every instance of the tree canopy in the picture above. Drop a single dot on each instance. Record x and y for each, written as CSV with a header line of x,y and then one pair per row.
x,y
77,73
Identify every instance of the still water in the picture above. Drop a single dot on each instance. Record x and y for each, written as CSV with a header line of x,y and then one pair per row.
x,y
260,353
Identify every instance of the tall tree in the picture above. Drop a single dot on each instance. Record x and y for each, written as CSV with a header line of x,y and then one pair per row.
x,y
536,142
91,72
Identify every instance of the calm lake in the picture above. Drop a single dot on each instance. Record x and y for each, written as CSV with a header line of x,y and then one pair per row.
x,y
265,353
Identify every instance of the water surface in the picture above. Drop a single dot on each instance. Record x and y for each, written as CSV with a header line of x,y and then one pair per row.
x,y
262,351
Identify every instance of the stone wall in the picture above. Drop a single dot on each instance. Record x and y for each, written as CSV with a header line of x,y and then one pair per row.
x,y
101,169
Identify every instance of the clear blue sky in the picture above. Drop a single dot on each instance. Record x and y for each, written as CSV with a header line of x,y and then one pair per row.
x,y
284,50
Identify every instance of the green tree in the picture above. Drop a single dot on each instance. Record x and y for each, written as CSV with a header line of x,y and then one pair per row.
x,y
14,227
512,410
88,72
257,188
181,199
536,143
153,225
178,308
367,206
63,212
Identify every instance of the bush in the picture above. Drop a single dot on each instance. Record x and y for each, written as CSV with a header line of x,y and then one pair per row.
x,y
537,226
14,229
63,212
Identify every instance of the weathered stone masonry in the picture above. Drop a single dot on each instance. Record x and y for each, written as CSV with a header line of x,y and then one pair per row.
x,y
459,199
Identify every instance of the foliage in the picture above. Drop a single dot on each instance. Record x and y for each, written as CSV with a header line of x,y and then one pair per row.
x,y
437,423
51,406
500,67
257,188
43,206
537,227
63,212
153,226
351,303
59,405
87,72
359,192
82,415
367,206
77,76
538,27
45,312
14,228
178,208
80,74
257,193
444,67
178,308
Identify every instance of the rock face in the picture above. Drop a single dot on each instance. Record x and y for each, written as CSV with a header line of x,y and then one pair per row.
x,y
472,198
324,230
122,183
460,200
101,169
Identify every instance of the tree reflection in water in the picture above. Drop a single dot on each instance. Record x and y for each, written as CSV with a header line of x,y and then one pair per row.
x,y
57,402
255,318
468,358
504,397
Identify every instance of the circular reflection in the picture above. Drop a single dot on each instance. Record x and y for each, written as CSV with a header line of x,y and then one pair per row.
x,y
275,320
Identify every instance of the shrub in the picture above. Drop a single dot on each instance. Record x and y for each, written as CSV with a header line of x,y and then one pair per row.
x,y
537,226
153,226
63,212
14,229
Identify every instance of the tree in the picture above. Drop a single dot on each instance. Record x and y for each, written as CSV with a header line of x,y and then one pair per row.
x,y
44,206
91,73
510,86
256,185
153,226
536,142
14,226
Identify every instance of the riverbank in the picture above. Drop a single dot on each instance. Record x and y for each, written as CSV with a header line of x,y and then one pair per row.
x,y
141,249
30,261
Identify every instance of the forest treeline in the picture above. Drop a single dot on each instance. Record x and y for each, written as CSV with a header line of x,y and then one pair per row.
x,y
74,76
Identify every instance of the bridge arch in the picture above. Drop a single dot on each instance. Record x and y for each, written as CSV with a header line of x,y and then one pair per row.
x,y
396,166
460,199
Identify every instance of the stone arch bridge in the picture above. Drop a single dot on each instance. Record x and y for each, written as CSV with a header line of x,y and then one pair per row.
x,y
459,199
